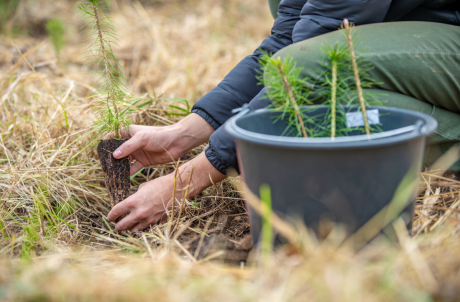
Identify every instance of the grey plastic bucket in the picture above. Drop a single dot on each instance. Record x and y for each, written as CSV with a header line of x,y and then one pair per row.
x,y
347,179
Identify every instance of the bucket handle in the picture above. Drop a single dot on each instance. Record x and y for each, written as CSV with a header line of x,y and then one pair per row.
x,y
243,110
421,127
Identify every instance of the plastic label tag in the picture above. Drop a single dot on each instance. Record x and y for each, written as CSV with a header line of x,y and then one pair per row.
x,y
355,119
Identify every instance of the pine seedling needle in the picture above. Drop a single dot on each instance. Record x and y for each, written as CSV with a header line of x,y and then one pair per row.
x,y
291,97
356,73
334,98
100,52
106,64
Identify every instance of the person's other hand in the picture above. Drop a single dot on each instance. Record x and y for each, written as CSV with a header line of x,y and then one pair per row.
x,y
147,206
150,145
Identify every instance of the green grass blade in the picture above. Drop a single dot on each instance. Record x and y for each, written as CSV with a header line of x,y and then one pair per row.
x,y
135,174
107,224
267,231
61,220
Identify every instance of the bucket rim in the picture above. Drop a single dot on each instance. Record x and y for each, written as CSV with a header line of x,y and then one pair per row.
x,y
425,125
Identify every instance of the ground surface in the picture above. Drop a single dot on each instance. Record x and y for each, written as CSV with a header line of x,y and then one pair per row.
x,y
56,245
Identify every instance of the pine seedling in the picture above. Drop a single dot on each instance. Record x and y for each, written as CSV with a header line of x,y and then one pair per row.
x,y
338,82
343,74
356,74
286,90
100,51
55,30
337,56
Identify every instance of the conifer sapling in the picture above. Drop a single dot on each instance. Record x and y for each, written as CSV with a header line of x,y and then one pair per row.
x,y
286,90
342,74
114,93
337,57
356,73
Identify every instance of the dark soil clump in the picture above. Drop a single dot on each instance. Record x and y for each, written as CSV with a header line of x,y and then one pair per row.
x,y
116,171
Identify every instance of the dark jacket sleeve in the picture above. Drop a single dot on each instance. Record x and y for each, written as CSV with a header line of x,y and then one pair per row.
x,y
221,152
322,16
240,86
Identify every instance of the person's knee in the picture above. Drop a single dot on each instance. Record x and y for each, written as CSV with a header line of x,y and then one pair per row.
x,y
308,53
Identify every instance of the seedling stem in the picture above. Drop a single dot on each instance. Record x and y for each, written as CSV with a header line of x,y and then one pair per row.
x,y
356,73
107,72
334,98
292,98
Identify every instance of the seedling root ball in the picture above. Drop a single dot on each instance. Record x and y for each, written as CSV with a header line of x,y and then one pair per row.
x,y
116,171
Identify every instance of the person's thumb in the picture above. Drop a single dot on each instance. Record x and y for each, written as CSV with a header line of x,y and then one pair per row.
x,y
134,143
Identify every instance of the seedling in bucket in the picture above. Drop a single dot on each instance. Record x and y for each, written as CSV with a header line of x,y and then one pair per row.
x,y
343,74
355,154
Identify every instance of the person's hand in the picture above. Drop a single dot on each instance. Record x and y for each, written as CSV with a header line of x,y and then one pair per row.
x,y
158,145
147,206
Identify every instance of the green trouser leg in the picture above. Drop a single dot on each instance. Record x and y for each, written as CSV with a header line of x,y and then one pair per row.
x,y
274,7
417,66
449,123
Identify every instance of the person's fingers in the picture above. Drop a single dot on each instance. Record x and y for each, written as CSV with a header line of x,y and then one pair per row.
x,y
162,218
119,209
129,133
136,142
135,217
127,223
134,229
140,226
124,134
141,155
136,167
109,135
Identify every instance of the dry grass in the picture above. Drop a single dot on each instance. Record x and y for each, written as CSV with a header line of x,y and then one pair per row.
x,y
56,245
178,50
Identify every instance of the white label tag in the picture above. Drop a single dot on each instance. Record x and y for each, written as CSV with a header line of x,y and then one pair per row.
x,y
355,119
